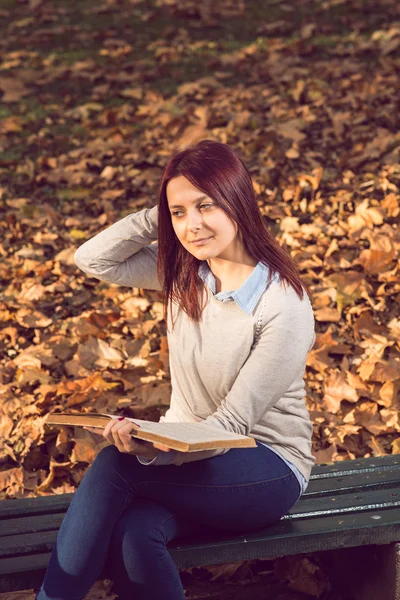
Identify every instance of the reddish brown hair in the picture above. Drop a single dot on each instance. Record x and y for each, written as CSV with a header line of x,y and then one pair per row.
x,y
216,170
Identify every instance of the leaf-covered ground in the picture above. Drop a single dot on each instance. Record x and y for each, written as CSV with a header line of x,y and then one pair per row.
x,y
94,97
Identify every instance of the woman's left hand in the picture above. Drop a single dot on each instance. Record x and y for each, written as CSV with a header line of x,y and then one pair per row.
x,y
118,433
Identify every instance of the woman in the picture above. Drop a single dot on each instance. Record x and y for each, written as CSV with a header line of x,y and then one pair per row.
x,y
240,325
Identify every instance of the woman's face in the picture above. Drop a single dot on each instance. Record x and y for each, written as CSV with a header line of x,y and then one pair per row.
x,y
195,216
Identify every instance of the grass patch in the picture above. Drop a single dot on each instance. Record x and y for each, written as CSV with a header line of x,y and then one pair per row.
x,y
7,4
5,112
115,101
77,193
71,56
326,41
32,109
68,128
9,157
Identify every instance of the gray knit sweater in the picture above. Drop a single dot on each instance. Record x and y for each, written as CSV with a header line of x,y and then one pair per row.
x,y
239,372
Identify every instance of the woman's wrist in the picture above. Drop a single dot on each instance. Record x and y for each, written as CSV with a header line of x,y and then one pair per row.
x,y
148,450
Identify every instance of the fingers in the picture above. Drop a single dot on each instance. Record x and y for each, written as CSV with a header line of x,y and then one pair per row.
x,y
115,424
118,432
123,429
161,447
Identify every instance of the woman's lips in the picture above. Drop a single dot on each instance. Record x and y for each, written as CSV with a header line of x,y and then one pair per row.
x,y
201,242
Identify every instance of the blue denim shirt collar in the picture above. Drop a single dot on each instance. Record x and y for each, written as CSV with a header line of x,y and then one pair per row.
x,y
249,293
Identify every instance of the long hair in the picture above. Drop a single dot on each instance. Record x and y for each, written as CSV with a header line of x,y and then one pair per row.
x,y
217,171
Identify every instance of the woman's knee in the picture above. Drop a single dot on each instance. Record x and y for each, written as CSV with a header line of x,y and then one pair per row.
x,y
133,542
108,456
111,464
143,524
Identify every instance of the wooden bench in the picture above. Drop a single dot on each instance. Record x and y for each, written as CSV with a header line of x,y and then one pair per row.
x,y
352,507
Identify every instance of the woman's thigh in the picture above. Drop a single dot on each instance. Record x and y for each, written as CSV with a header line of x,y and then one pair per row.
x,y
244,489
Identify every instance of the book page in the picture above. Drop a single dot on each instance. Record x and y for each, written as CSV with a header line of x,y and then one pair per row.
x,y
186,432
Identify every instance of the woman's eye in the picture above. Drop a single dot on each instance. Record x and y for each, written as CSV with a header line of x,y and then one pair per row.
x,y
178,213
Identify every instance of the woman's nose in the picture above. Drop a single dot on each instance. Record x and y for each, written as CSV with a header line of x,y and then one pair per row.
x,y
194,222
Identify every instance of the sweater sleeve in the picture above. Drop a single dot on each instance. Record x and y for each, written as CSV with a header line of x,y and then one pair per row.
x,y
174,457
161,459
274,363
124,253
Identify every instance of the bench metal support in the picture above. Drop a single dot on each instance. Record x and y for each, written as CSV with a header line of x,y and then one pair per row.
x,y
365,573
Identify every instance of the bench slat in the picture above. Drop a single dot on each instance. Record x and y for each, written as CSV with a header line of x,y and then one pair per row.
x,y
345,503
24,563
354,482
22,574
35,506
27,543
20,525
356,465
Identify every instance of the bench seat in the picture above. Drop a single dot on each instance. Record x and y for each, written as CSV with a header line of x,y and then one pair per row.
x,y
348,504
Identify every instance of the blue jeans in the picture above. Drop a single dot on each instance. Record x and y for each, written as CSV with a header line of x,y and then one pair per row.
x,y
123,515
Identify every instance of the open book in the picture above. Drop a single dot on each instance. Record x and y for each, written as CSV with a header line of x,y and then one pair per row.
x,y
185,437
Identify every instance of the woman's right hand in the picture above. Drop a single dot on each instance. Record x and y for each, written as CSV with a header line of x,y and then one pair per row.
x,y
118,433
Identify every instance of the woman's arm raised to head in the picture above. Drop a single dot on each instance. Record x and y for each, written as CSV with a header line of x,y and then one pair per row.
x,y
122,253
